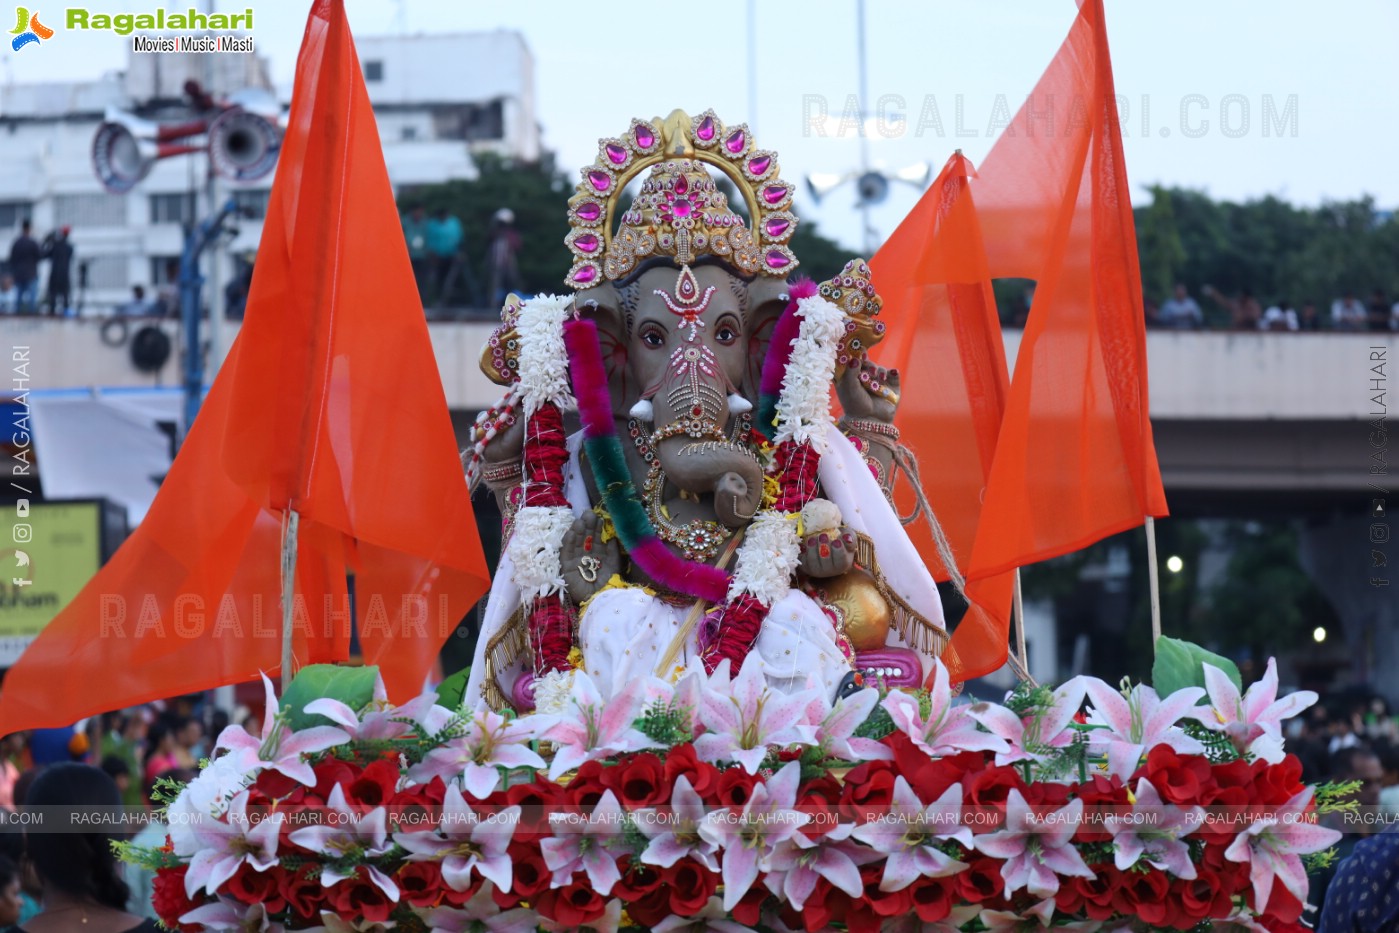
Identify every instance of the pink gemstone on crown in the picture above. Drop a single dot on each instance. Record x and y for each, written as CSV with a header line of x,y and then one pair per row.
x,y
682,207
705,130
589,211
776,260
776,226
585,274
681,185
600,181
644,137
735,142
588,242
615,153
773,194
759,165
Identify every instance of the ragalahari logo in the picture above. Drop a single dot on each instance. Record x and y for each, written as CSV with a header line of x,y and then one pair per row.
x,y
28,30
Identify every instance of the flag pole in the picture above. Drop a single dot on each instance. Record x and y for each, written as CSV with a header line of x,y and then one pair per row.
x,y
1154,574
291,520
1019,613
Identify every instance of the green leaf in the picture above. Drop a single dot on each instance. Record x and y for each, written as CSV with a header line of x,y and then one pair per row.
x,y
353,686
452,691
1180,664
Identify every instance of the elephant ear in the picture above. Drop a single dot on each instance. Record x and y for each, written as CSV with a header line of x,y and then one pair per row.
x,y
767,299
603,305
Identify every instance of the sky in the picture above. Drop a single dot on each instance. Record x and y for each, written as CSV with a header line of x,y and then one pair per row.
x,y
1200,80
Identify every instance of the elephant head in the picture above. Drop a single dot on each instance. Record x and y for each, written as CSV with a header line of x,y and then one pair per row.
x,y
684,348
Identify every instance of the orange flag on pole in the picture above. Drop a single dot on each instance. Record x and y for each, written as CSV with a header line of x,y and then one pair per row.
x,y
1075,459
944,335
329,404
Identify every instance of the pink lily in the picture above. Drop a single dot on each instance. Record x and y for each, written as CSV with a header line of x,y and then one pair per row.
x,y
745,718
204,798
674,834
1253,721
349,833
952,923
480,915
591,727
1157,838
466,842
226,914
490,742
798,862
838,722
1273,845
279,748
1137,722
908,833
1037,849
1038,734
712,918
226,845
947,729
748,838
381,719
588,844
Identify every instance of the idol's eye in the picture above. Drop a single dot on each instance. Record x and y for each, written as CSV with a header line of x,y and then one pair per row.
x,y
652,336
727,331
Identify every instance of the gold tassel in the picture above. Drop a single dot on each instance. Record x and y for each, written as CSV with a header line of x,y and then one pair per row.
x,y
918,632
503,650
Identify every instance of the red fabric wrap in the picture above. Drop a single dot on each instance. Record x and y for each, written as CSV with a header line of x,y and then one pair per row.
x,y
550,634
796,464
545,454
738,629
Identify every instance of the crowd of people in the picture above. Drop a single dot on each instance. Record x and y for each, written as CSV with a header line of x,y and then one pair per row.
x,y
441,267
1244,312
62,881
19,284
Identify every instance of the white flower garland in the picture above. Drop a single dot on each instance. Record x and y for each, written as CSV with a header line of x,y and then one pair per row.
x,y
534,550
770,555
804,405
552,692
543,357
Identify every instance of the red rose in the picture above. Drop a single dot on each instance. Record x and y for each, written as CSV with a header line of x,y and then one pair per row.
x,y
417,808
535,800
587,787
251,886
932,898
1143,894
749,910
304,892
274,784
1279,925
332,771
374,786
691,885
1282,905
169,899
651,908
357,896
1179,779
1101,797
637,781
1203,897
986,792
1275,785
703,776
868,791
819,800
735,787
980,881
421,883
884,903
531,875
1097,893
930,777
638,880
572,905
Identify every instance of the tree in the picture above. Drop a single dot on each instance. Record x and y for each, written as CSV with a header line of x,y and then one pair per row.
x,y
1158,240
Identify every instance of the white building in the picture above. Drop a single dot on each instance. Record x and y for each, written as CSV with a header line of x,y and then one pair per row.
x,y
438,99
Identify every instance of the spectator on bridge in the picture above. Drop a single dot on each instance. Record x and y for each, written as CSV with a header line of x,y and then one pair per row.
x,y
59,252
1245,313
502,270
1308,318
1280,316
138,306
415,233
1180,312
1377,316
1347,313
167,294
444,236
9,294
24,266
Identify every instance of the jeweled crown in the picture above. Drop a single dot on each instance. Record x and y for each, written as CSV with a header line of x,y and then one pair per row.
x,y
680,212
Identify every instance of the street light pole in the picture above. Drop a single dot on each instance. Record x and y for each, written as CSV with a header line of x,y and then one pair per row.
x,y
197,239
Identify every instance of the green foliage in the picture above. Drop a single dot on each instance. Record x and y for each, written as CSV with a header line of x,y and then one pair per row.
x,y
353,686
880,723
1180,664
1159,243
1218,746
452,691
1337,797
666,723
147,858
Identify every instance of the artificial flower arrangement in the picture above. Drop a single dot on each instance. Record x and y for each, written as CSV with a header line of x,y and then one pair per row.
x,y
713,803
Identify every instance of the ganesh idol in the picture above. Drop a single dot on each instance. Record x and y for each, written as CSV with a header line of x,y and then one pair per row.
x,y
675,486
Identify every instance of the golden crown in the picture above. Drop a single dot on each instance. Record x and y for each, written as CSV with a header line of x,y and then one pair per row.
x,y
680,212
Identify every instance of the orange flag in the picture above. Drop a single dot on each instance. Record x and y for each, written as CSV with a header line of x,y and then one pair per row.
x,y
1075,461
944,335
329,404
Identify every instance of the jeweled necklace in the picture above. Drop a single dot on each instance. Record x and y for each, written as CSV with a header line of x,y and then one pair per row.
x,y
698,539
